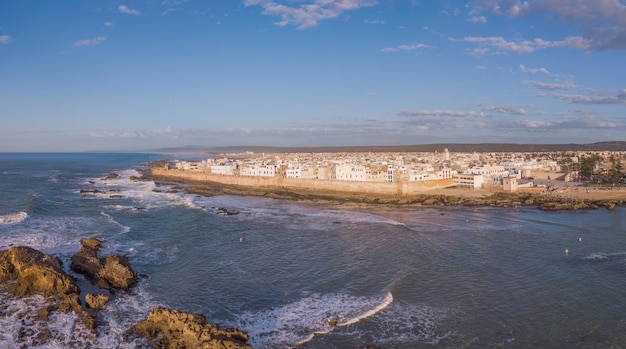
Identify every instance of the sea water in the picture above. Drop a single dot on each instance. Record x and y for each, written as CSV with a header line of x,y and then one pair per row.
x,y
431,277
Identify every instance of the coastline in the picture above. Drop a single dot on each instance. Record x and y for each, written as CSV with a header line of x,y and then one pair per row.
x,y
562,198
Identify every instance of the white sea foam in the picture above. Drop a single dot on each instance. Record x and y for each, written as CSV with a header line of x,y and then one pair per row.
x,y
20,326
121,314
125,229
13,218
120,207
299,322
144,194
599,256
59,235
141,253
408,324
384,304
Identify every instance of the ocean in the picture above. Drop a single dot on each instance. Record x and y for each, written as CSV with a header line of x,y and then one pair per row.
x,y
431,277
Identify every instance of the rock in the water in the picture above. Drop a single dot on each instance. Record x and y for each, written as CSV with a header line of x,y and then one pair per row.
x,y
113,175
112,272
26,271
167,328
91,243
96,300
117,272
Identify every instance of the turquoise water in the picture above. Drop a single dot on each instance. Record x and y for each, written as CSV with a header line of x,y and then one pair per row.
x,y
438,277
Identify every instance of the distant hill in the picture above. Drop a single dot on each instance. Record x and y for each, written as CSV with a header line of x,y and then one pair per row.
x,y
453,147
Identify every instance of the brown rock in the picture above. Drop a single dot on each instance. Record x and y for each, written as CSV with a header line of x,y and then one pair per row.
x,y
113,175
113,272
26,271
117,272
167,328
96,300
86,262
91,243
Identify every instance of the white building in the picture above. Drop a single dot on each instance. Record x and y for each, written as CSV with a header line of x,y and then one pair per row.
x,y
254,170
227,169
489,171
468,180
347,172
293,172
445,173
420,175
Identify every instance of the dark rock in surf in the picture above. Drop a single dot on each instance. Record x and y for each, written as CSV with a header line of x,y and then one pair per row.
x,y
226,212
112,272
112,175
85,191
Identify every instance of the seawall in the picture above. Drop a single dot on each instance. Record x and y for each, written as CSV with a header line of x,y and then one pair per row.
x,y
396,188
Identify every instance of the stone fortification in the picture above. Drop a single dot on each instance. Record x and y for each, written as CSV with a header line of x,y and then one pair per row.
x,y
400,188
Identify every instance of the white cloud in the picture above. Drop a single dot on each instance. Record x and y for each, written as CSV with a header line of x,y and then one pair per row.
x,y
532,123
5,39
507,109
90,42
620,98
602,23
310,12
477,19
373,22
166,132
487,45
411,47
549,86
439,112
124,9
585,123
524,69
108,24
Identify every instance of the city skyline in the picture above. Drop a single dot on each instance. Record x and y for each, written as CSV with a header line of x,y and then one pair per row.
x,y
138,75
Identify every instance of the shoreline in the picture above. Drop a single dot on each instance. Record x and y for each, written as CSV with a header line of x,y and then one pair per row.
x,y
569,198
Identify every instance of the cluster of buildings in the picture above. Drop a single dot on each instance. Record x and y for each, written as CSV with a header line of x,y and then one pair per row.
x,y
508,171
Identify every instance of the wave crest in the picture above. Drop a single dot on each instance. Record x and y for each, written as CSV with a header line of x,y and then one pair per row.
x,y
13,218
299,322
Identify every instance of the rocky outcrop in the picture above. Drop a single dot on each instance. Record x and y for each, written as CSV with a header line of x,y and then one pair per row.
x,y
116,270
112,175
167,328
96,300
112,272
25,271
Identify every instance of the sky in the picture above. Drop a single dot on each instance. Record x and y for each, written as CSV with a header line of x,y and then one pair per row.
x,y
135,75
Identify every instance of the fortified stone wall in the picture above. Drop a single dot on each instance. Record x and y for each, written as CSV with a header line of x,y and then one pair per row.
x,y
401,188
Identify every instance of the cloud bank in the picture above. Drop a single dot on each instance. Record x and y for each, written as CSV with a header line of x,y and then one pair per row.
x,y
602,23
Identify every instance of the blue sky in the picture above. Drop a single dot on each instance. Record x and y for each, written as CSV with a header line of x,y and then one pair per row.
x,y
136,75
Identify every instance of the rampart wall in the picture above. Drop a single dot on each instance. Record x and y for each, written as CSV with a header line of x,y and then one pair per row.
x,y
401,188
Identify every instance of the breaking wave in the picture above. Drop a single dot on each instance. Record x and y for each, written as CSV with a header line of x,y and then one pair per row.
x,y
13,218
